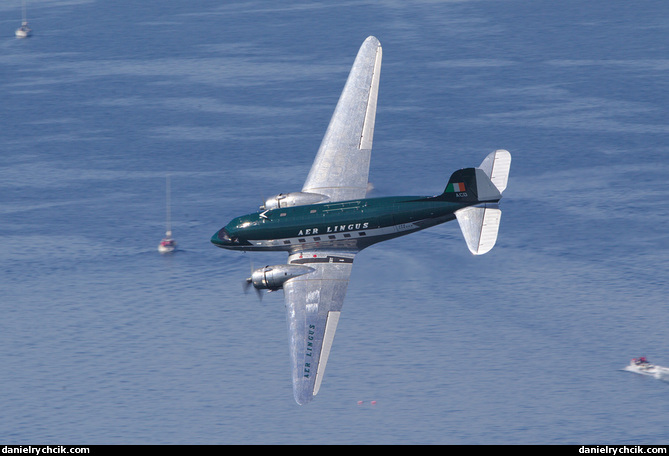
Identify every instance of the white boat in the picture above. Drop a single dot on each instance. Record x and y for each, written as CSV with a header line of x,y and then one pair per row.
x,y
641,366
168,244
644,367
24,31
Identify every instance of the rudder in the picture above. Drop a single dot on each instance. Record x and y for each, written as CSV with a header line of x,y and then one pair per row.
x,y
496,166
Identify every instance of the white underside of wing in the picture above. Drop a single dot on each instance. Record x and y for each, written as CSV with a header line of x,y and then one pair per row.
x,y
313,306
341,167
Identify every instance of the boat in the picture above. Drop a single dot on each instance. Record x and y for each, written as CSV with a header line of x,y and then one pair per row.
x,y
24,31
644,367
641,366
168,244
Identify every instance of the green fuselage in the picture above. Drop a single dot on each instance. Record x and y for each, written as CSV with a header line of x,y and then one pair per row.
x,y
347,225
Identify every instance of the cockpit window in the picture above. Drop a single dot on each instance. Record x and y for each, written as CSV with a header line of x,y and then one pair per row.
x,y
223,235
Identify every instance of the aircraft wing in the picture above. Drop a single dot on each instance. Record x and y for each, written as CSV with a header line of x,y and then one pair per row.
x,y
341,167
313,305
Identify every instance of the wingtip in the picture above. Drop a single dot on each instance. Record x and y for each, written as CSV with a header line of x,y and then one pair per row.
x,y
303,399
304,390
372,40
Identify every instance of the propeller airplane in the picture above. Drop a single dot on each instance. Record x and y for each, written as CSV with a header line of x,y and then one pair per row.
x,y
330,220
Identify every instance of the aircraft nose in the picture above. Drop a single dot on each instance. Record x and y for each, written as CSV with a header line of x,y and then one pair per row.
x,y
221,238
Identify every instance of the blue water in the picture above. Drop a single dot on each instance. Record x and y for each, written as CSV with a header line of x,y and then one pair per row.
x,y
103,340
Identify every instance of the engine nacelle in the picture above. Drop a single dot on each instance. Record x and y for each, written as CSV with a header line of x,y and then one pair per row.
x,y
292,199
273,277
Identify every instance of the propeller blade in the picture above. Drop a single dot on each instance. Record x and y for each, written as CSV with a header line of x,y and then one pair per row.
x,y
246,284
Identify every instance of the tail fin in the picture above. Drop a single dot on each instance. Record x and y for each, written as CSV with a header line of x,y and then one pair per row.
x,y
470,185
496,166
480,223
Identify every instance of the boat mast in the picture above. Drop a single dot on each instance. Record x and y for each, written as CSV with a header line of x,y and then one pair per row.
x,y
24,15
167,191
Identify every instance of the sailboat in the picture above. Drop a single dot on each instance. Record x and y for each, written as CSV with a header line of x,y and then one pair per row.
x,y
168,244
24,31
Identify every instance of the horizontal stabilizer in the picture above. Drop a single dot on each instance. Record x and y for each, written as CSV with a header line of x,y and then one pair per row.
x,y
496,166
479,225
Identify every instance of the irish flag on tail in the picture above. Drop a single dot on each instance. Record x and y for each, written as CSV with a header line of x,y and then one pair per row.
x,y
456,187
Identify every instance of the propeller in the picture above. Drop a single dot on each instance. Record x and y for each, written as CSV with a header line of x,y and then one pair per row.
x,y
249,283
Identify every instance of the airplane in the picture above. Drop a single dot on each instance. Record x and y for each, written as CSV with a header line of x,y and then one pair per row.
x,y
325,225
